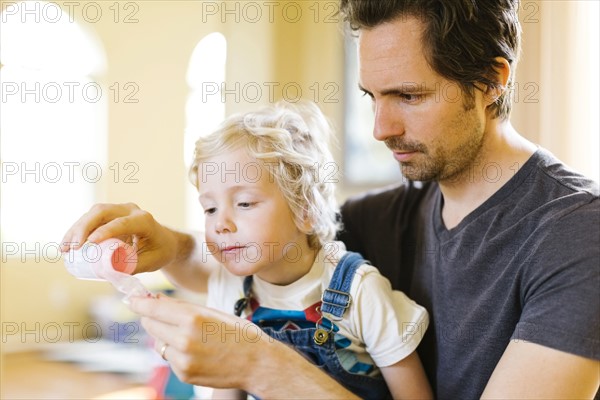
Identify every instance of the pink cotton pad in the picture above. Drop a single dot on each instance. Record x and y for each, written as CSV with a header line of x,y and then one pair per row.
x,y
123,258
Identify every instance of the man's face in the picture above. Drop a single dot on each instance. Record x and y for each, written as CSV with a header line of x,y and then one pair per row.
x,y
435,130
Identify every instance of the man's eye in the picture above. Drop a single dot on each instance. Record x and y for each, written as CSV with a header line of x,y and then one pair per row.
x,y
411,97
367,94
210,211
245,204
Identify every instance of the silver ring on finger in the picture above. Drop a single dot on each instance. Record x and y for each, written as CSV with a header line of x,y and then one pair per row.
x,y
163,349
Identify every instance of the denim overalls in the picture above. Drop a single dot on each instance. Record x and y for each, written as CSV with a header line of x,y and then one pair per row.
x,y
335,300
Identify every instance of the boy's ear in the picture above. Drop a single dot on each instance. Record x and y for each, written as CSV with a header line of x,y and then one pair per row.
x,y
306,224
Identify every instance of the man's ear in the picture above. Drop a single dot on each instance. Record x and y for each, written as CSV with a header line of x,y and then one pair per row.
x,y
501,75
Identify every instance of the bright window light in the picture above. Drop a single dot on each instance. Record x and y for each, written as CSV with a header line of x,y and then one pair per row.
x,y
586,152
205,109
53,124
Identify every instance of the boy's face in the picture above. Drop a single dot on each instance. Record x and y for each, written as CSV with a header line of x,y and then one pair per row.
x,y
435,131
249,225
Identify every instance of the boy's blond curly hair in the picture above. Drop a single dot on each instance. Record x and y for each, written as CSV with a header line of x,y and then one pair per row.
x,y
292,141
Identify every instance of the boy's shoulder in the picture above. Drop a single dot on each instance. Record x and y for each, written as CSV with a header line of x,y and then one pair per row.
x,y
334,252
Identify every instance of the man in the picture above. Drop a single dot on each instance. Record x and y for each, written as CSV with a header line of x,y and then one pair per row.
x,y
507,267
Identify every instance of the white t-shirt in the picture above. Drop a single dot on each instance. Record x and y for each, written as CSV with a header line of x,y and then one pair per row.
x,y
383,326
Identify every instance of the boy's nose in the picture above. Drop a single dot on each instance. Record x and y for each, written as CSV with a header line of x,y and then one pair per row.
x,y
224,224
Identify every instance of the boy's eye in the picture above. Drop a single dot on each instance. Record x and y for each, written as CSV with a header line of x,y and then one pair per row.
x,y
245,204
210,211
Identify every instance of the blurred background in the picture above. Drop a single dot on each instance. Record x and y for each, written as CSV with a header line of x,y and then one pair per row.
x,y
102,102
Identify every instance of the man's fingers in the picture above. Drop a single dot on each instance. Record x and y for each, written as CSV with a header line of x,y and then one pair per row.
x,y
169,353
101,222
163,343
78,233
171,319
138,222
118,227
163,308
162,332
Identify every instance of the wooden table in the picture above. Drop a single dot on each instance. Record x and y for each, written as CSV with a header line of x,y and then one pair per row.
x,y
30,376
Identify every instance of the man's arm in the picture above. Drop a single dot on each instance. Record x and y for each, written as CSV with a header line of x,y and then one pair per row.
x,y
192,265
210,348
561,310
528,370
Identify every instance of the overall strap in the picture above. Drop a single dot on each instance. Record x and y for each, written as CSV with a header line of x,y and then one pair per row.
x,y
336,298
242,303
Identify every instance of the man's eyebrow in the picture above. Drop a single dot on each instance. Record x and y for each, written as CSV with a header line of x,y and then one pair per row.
x,y
405,88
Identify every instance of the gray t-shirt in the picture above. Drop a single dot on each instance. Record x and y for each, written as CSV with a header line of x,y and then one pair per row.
x,y
524,265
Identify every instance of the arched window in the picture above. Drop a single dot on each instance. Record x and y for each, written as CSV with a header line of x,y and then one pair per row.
x,y
205,108
366,161
53,143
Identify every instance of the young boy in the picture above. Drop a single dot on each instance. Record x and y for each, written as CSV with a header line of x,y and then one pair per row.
x,y
266,183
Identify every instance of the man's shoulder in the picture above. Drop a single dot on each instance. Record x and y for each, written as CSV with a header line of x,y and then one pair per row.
x,y
548,214
552,171
549,190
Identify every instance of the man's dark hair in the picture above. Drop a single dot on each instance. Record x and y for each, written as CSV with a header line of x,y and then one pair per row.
x,y
461,38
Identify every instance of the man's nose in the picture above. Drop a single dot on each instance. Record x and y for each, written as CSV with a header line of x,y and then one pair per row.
x,y
388,122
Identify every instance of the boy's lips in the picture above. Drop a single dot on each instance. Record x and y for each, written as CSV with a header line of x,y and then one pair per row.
x,y
231,248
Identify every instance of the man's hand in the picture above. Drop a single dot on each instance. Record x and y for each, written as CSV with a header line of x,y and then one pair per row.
x,y
210,348
156,245
204,346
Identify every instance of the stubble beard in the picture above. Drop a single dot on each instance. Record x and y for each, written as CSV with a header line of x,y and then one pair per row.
x,y
437,162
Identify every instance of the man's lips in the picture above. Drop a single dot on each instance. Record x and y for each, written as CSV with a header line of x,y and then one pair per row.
x,y
404,155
